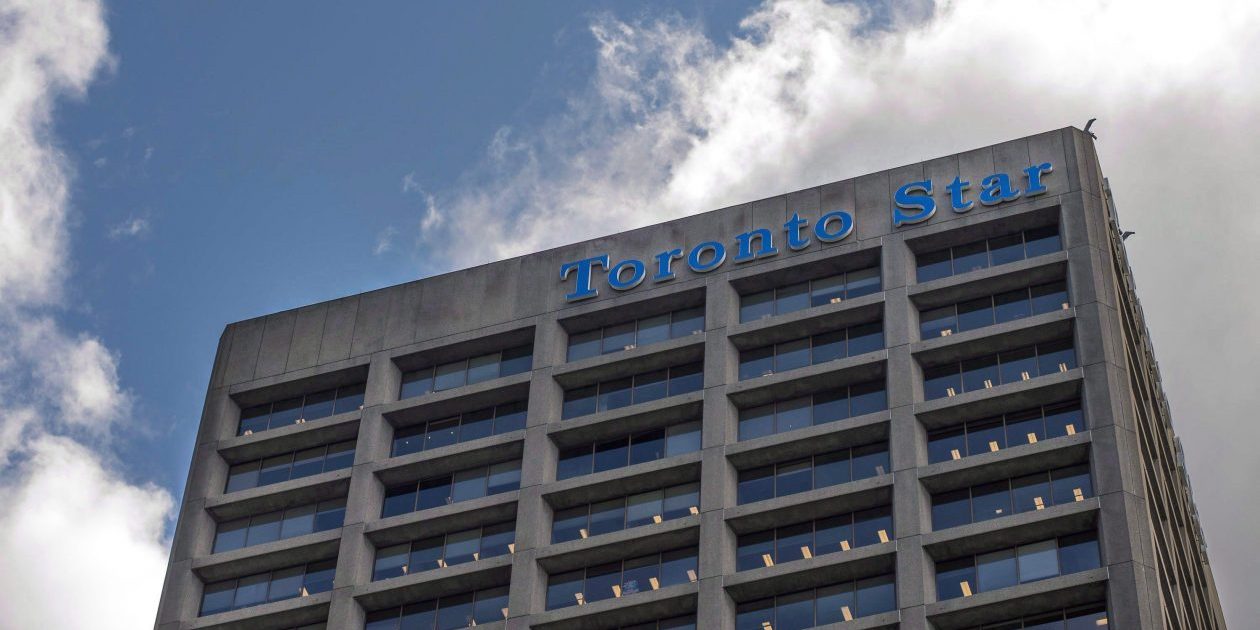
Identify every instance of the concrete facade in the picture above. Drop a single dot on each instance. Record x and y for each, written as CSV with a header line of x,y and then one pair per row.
x,y
1154,571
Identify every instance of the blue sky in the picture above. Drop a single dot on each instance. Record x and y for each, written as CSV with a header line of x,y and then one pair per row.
x,y
168,168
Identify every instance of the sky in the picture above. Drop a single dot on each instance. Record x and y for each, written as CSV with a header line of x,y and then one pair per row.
x,y
168,168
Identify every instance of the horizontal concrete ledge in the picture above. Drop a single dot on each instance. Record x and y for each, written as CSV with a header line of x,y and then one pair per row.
x,y
829,259
329,485
653,356
280,615
882,621
658,299
398,529
647,417
632,410
844,497
813,572
806,322
857,431
969,228
996,338
1016,529
452,402
244,448
819,377
1017,275
451,512
1010,462
620,482
448,459
297,382
277,554
627,543
670,601
469,343
1009,397
428,584
1014,602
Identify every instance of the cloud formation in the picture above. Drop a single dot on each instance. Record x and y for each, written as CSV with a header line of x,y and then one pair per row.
x,y
132,227
810,92
64,502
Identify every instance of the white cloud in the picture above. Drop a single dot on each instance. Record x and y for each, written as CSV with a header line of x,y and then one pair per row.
x,y
133,226
385,240
100,162
674,124
432,217
64,503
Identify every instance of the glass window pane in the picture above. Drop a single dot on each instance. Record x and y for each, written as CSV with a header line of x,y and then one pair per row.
x,y
516,360
756,484
870,461
829,347
942,381
331,515
791,298
391,562
955,578
644,508
756,362
563,589
756,422
876,595
794,414
308,462
947,444
1071,484
426,554
483,368
862,282
1064,419
1038,561
254,419
441,433
607,516
793,477
496,540
974,314
264,528
991,500
647,446
339,456
687,322
491,605
830,406
242,476
827,290
400,500
873,527
349,398
1055,357
450,375
938,322
574,462
757,615
434,493
1042,241
678,567
1092,618
985,436
285,412
791,355
510,417
933,265
640,574
455,612
1047,298
1079,553
996,570
836,603
1025,427
462,547
504,477
416,383
251,590
1031,492
602,581
867,398
614,394
275,469
230,535
653,330
618,337
951,509
319,576
319,405
794,611
686,378
753,550
1006,249
217,597
866,338
794,542
584,345
1012,305
651,386
298,521
971,257
682,438
568,524
476,424
756,306
833,534
579,402
611,454
832,469
682,501
1018,365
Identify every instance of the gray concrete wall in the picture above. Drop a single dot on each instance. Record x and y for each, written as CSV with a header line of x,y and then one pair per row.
x,y
521,298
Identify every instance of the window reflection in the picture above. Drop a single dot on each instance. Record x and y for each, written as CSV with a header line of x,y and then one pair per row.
x,y
795,297
987,253
640,332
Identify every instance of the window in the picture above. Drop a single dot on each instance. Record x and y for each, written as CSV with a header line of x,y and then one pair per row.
x,y
614,515
1008,366
1028,493
295,465
836,603
1040,560
443,551
798,413
629,450
462,428
686,622
301,409
819,471
993,309
279,525
468,484
988,253
821,348
795,297
436,378
814,538
272,586
464,610
632,390
1013,429
1093,617
621,578
641,332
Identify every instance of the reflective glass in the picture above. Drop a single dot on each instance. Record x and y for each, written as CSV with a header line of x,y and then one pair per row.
x,y
416,383
862,282
584,345
937,321
870,461
319,405
1070,483
483,368
791,298
504,477
264,528
615,394
1048,298
985,436
939,382
510,417
601,580
1064,420
426,554
608,516
756,362
955,578
433,493
275,469
792,414
866,338
637,574
687,322
449,375
1006,249
418,616
217,597
331,515
756,484
971,257
285,584
1012,305
319,576
496,540
794,611
756,615
951,509
836,603
254,419
1078,553
408,440
651,386
756,422
1025,427
455,612
399,500
298,521
563,588
974,314
579,402
349,398
946,445
1055,357
990,501
251,590
933,265
1031,492
618,337
491,605
1038,561
793,477
678,567
831,406
1016,363
980,373
285,412
829,347
574,462
242,476
876,595
996,570
686,378
385,620
568,524
827,290
611,454
230,535
681,501
653,330
462,547
833,534
832,469
1042,241
752,549
516,360
308,462
872,527
791,355
476,424
793,542
867,398
647,446
644,508
756,306
469,484
682,438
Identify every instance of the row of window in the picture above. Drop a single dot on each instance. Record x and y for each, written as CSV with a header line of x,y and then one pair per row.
x,y
821,606
465,427
1011,496
279,525
632,390
636,510
964,577
686,622
986,253
300,409
633,334
460,486
446,550
1093,617
797,413
803,295
814,538
1009,366
464,610
993,309
818,471
436,378
798,353
628,450
270,586
620,578
295,465
1008,430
